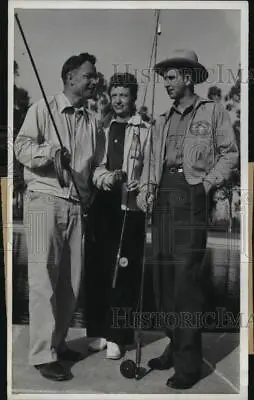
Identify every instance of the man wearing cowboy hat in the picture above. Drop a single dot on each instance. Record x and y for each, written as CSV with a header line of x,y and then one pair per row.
x,y
195,150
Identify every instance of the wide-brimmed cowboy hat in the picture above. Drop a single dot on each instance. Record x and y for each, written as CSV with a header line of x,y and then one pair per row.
x,y
183,59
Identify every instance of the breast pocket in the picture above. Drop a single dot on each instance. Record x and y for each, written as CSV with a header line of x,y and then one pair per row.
x,y
201,128
198,145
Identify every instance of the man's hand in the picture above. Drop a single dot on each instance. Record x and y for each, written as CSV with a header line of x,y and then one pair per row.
x,y
145,201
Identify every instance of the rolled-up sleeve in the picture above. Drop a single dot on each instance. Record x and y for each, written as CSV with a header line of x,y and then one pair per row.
x,y
30,147
226,148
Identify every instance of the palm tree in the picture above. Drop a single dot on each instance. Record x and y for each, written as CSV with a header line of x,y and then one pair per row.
x,y
100,102
21,102
233,106
20,107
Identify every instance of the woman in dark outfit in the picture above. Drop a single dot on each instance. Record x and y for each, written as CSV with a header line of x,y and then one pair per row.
x,y
122,180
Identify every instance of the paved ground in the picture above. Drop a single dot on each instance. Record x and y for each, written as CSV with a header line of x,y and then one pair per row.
x,y
94,374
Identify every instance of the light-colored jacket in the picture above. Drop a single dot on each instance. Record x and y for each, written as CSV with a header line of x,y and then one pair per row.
x,y
138,162
209,149
36,144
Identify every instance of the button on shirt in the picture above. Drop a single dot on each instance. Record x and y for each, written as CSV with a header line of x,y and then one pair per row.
x,y
116,145
178,125
112,198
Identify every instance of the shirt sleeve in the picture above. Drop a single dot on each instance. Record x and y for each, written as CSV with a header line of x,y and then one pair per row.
x,y
30,147
148,171
225,148
100,172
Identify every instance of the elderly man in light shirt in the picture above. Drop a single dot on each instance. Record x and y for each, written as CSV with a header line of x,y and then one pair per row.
x,y
52,210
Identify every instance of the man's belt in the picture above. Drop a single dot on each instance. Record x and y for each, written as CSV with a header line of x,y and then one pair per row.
x,y
174,169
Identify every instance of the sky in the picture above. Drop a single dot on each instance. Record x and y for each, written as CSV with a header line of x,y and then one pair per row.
x,y
121,40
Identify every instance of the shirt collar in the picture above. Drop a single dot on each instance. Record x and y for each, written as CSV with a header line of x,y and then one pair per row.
x,y
175,106
199,100
134,120
64,104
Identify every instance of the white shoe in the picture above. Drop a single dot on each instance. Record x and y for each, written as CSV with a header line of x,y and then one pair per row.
x,y
113,351
98,344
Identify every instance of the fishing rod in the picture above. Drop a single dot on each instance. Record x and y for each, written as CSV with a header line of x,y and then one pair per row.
x,y
118,257
63,149
123,261
155,44
129,368
57,162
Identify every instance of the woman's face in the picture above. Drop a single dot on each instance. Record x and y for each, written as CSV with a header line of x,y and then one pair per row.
x,y
121,101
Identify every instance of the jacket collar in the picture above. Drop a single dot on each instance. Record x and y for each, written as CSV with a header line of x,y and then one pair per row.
x,y
135,120
191,105
199,100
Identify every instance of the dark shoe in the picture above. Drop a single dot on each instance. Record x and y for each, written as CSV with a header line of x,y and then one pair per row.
x,y
182,382
54,371
165,361
70,355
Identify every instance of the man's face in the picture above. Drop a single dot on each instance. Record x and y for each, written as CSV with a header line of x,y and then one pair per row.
x,y
121,100
174,83
83,80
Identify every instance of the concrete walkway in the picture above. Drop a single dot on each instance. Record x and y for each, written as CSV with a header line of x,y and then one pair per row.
x,y
94,374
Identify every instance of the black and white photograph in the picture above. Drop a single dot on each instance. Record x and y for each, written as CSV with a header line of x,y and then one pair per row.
x,y
128,174
251,252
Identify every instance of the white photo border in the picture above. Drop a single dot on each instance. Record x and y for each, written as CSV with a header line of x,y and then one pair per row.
x,y
66,4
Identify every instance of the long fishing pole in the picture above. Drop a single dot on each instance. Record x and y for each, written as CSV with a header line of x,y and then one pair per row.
x,y
128,368
49,110
148,211
149,69
118,257
153,52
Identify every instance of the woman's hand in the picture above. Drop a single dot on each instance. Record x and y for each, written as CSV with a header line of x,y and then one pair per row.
x,y
133,186
113,178
108,182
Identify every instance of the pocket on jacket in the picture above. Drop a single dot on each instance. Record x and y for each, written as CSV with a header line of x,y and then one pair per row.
x,y
33,195
197,152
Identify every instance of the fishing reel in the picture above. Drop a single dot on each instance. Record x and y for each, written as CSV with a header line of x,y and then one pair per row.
x,y
131,369
62,163
120,176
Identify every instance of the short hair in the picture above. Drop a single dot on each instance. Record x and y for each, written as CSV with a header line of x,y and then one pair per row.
x,y
126,80
75,62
